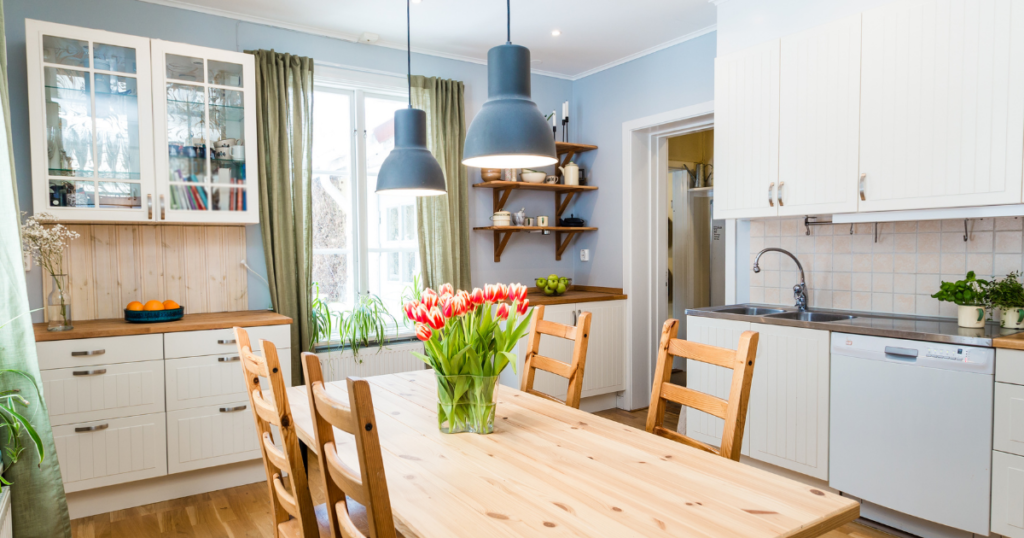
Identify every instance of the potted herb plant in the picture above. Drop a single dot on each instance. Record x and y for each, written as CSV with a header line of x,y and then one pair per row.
x,y
1007,295
970,295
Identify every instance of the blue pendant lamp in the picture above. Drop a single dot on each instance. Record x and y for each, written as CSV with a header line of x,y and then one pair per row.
x,y
410,169
509,131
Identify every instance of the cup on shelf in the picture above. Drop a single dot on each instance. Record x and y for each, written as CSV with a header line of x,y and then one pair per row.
x,y
223,153
226,143
238,153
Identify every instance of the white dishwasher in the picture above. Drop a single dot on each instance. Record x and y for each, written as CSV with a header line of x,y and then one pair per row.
x,y
911,432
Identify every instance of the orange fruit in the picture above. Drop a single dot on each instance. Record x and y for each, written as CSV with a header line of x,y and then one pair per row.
x,y
171,305
154,305
134,305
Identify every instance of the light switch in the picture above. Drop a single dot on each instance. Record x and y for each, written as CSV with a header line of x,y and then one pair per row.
x,y
585,255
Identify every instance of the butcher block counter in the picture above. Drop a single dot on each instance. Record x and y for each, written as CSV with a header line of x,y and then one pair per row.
x,y
575,294
191,322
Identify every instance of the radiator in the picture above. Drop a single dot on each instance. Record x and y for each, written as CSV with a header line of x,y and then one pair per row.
x,y
393,359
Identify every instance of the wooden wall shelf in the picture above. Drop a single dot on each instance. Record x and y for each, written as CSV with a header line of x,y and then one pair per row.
x,y
503,233
563,193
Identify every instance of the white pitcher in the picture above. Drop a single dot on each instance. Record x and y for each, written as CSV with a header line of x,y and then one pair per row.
x,y
570,174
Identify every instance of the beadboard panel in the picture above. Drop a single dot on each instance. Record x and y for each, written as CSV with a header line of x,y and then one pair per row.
x,y
111,391
196,266
394,359
711,379
203,381
210,436
128,449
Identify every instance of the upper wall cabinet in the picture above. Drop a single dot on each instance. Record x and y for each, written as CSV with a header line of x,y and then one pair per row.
x,y
128,129
747,133
90,112
942,104
818,119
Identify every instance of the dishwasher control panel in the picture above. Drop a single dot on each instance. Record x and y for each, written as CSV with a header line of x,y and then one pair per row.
x,y
959,354
915,353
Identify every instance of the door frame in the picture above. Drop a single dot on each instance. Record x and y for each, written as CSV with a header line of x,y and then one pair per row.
x,y
644,262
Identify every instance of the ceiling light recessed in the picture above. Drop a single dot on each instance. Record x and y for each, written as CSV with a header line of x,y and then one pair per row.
x,y
556,33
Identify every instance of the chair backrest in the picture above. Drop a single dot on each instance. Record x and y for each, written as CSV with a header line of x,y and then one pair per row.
x,y
293,500
573,371
733,410
367,485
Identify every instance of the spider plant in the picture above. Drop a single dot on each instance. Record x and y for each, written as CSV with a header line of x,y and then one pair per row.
x,y
365,322
15,424
321,318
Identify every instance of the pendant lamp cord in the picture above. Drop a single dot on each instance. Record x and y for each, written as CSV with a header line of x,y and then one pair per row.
x,y
508,21
408,49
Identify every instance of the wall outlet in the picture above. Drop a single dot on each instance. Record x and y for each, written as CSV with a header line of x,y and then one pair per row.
x,y
584,254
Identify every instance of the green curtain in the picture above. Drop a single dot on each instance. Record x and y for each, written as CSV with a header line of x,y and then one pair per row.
x,y
39,508
443,221
284,127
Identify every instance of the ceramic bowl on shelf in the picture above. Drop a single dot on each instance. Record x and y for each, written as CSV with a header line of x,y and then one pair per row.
x,y
533,177
490,174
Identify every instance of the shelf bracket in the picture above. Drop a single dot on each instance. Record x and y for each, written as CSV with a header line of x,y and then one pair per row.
x,y
500,240
561,205
560,245
500,197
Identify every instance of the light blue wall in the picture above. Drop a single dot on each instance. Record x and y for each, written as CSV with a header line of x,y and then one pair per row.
x,y
672,78
526,256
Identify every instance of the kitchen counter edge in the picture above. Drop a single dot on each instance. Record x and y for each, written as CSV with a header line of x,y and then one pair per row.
x,y
191,322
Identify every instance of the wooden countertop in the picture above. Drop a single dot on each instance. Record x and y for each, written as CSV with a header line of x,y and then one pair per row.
x,y
576,294
191,322
1013,341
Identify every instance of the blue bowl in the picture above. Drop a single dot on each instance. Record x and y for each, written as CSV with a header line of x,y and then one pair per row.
x,y
153,316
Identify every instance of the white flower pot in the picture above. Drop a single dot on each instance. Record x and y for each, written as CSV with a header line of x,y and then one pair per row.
x,y
972,317
1011,318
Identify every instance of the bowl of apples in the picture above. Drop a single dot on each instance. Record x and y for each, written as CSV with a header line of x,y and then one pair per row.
x,y
553,285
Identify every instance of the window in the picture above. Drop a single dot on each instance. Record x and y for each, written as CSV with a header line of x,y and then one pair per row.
x,y
362,243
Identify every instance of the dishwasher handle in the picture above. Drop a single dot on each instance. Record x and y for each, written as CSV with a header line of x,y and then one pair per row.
x,y
903,353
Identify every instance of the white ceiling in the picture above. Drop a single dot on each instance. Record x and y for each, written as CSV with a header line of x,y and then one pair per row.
x,y
595,33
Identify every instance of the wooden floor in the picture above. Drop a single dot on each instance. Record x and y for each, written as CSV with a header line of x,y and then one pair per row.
x,y
245,511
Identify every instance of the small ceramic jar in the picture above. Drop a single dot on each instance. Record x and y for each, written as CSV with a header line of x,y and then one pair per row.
x,y
1011,318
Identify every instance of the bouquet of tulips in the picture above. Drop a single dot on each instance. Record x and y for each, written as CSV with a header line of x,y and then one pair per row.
x,y
467,346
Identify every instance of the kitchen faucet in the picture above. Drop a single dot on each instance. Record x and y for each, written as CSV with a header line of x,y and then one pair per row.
x,y
800,290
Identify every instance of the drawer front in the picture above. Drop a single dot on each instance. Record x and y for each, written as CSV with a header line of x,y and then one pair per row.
x,y
1008,419
104,391
204,381
96,351
1010,366
1007,495
211,436
222,341
116,451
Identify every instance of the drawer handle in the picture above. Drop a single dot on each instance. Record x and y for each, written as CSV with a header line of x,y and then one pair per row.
x,y
901,351
225,342
229,359
88,353
90,372
232,409
95,428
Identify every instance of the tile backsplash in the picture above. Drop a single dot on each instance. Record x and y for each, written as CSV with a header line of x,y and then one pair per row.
x,y
898,273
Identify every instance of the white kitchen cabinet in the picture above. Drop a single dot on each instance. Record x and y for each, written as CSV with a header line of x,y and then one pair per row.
x,y
942,104
747,133
203,381
90,123
83,352
113,391
204,97
789,399
713,380
819,120
108,452
212,435
1007,495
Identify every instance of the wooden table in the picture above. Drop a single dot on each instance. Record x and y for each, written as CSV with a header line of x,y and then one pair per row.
x,y
549,470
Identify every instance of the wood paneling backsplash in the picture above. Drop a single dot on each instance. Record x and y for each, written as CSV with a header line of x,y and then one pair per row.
x,y
111,265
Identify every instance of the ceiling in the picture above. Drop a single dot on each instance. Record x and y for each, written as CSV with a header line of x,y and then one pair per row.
x,y
594,33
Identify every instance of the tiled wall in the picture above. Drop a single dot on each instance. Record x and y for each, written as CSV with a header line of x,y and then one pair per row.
x,y
898,273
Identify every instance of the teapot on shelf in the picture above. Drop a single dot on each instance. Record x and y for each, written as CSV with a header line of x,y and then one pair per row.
x,y
570,174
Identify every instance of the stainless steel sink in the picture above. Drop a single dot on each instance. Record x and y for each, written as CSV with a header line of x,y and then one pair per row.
x,y
750,311
823,317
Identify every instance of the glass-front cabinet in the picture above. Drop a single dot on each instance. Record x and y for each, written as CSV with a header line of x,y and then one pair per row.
x,y
128,129
91,123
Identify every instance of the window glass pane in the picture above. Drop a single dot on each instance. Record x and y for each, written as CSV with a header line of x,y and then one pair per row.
x,y
114,58
225,73
333,243
68,122
117,127
72,193
228,199
120,195
189,197
184,68
332,132
65,51
185,125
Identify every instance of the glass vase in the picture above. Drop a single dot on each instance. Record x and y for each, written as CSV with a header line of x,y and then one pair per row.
x,y
466,403
58,304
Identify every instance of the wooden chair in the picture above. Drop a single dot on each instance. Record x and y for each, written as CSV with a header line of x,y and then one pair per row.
x,y
368,512
294,514
572,371
733,411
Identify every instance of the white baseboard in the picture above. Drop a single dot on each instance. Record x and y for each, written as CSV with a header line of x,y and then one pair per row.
x,y
164,488
597,403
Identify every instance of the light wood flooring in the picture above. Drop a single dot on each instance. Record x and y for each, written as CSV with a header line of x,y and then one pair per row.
x,y
245,511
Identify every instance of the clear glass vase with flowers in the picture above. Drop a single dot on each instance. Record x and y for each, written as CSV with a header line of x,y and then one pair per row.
x,y
468,338
45,240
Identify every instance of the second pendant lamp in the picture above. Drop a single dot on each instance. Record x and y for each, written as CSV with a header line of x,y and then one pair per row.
x,y
509,131
410,169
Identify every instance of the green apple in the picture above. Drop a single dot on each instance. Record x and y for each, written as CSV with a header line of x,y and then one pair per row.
x,y
553,276
561,288
563,280
542,282
549,291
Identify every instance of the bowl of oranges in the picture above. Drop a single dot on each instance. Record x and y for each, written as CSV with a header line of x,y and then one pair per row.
x,y
153,311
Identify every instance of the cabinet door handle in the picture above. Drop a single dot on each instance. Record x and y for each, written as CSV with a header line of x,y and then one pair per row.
x,y
149,206
232,409
573,318
229,359
781,183
163,211
863,188
225,342
771,194
88,353
101,371
95,428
